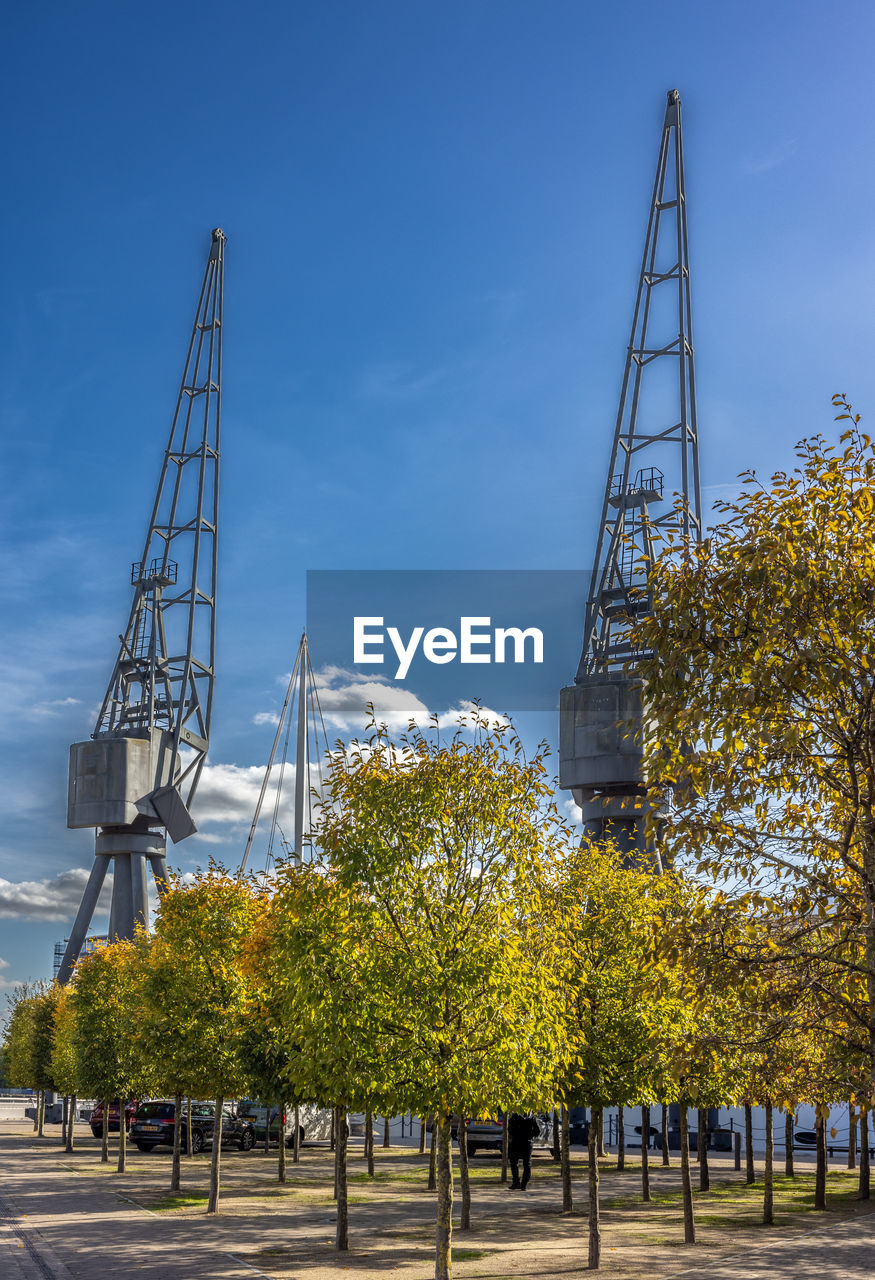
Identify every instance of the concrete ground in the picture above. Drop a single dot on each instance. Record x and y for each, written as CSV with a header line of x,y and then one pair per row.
x,y
71,1218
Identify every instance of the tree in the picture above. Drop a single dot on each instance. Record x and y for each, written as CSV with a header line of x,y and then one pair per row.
x,y
106,1042
18,1036
316,968
440,856
761,696
64,1056
268,1049
197,982
608,1032
28,1042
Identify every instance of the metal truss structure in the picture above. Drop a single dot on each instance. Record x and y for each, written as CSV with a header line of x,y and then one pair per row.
x,y
136,777
652,494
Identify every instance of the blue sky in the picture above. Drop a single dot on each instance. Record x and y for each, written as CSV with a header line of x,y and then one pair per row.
x,y
435,216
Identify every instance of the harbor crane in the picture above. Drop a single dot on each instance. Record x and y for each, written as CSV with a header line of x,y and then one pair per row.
x,y
652,490
135,778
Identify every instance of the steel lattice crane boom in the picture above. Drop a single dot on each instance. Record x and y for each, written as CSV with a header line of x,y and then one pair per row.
x,y
136,777
652,490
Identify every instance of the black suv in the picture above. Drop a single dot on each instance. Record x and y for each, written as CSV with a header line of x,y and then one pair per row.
x,y
155,1121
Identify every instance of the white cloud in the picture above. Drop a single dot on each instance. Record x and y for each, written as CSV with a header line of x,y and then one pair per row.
x,y
344,696
53,706
227,793
571,809
55,898
768,158
464,715
344,706
395,381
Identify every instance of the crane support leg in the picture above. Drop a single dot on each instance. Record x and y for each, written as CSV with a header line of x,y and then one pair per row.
x,y
83,917
159,871
139,893
121,916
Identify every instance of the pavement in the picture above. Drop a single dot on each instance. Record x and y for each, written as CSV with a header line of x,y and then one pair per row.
x,y
70,1218
841,1251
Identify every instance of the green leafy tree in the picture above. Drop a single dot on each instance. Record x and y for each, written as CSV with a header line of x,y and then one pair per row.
x,y
64,1066
627,999
197,990
27,1046
442,854
761,697
107,999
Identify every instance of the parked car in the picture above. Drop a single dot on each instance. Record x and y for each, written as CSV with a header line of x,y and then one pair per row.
x,y
481,1135
153,1125
155,1121
96,1117
262,1117
488,1134
314,1123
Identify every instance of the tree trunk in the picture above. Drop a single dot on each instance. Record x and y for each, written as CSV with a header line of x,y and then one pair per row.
x,y
71,1120
666,1158
216,1159
686,1184
565,1157
122,1138
41,1113
645,1153
601,1134
750,1174
768,1176
387,1133
281,1153
702,1149
423,1120
788,1143
342,1236
188,1126
504,1142
175,1172
863,1193
443,1259
64,1114
267,1131
465,1222
852,1136
820,1175
432,1156
334,1128
595,1229
556,1148
104,1145
296,1146
621,1141
369,1141
36,1111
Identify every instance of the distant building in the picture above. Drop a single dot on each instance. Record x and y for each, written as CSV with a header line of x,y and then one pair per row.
x,y
90,944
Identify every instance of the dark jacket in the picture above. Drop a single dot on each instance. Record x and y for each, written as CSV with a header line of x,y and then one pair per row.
x,y
521,1131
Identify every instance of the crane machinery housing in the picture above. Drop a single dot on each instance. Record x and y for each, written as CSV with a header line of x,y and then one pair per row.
x,y
135,778
652,490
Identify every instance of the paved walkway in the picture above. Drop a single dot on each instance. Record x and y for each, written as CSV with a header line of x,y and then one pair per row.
x,y
69,1218
841,1251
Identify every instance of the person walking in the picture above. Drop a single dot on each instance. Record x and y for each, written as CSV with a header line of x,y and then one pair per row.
x,y
521,1133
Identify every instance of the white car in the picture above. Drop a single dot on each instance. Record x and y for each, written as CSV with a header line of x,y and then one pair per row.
x,y
314,1122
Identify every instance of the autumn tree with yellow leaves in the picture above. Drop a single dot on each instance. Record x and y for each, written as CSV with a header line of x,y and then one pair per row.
x,y
761,702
